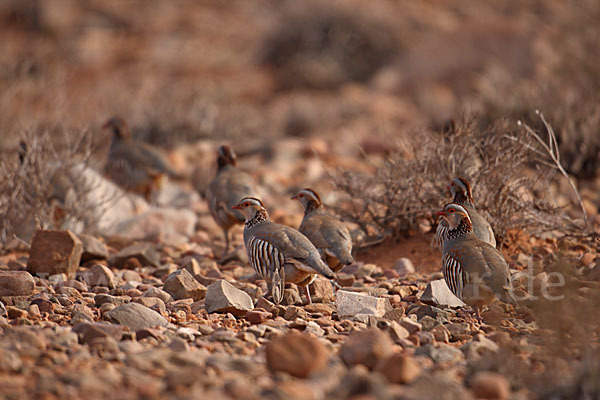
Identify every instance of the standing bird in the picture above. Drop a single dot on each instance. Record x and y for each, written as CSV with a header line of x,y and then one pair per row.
x,y
460,189
329,235
134,165
473,270
279,253
226,189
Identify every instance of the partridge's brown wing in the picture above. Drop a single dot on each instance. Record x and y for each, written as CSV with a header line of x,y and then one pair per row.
x,y
329,235
226,190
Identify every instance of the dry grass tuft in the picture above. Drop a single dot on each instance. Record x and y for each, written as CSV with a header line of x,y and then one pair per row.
x,y
41,186
509,175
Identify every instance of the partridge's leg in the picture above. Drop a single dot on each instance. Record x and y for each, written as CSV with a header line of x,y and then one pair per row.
x,y
307,291
226,234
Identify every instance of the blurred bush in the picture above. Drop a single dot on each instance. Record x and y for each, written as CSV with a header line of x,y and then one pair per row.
x,y
323,45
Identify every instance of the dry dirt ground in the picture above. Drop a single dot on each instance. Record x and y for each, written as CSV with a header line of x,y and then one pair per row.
x,y
137,302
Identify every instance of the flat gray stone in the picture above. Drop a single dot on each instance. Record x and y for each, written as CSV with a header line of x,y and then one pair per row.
x,y
222,296
437,293
350,304
136,317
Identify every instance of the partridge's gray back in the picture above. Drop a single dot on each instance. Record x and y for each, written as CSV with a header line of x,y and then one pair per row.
x,y
226,189
329,235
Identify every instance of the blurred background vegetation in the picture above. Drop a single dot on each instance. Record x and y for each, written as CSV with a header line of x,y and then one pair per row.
x,y
185,70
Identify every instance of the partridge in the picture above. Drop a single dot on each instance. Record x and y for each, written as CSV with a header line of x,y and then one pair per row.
x,y
226,189
473,270
461,192
329,235
278,253
134,165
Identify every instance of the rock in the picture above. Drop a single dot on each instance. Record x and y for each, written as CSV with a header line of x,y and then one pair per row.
x,y
394,315
291,296
479,346
182,285
192,266
319,308
404,267
349,304
444,353
99,275
490,385
154,303
437,293
399,369
410,325
143,252
104,298
156,292
258,316
170,225
14,312
179,345
136,316
298,354
397,332
366,270
345,279
16,283
54,252
293,312
223,297
321,290
367,347
441,334
91,331
428,323
93,248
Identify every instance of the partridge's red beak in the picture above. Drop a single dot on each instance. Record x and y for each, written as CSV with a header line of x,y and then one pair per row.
x,y
236,208
294,197
441,213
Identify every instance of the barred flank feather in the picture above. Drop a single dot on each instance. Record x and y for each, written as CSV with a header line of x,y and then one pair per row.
x,y
268,263
453,275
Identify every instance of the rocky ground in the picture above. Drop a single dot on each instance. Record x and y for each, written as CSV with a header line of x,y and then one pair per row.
x,y
88,317
123,299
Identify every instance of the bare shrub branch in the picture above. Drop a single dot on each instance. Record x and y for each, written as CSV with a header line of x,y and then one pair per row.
x,y
45,186
509,173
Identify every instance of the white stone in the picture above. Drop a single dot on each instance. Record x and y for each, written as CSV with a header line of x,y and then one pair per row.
x,y
350,304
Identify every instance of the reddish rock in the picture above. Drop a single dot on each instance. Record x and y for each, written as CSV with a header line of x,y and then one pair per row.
x,y
490,385
399,368
99,275
16,283
366,347
298,354
182,285
54,252
321,290
142,252
88,332
258,316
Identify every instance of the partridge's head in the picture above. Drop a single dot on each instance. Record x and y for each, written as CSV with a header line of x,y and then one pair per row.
x,y
307,196
454,214
460,188
117,127
249,206
226,156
